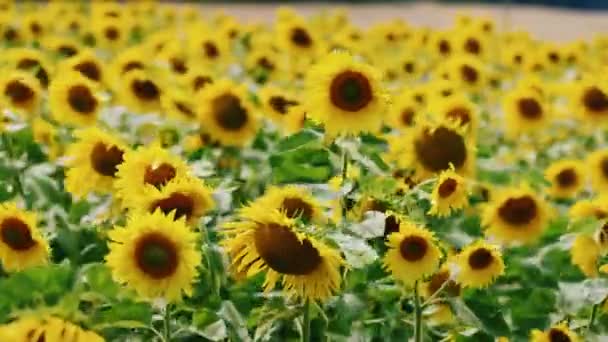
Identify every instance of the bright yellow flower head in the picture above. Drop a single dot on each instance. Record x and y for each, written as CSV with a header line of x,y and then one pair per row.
x,y
479,264
21,243
567,178
449,194
558,332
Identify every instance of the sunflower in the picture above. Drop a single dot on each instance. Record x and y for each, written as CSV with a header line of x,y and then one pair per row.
x,y
525,111
459,109
597,162
207,49
441,44
298,38
31,61
467,71
438,280
412,253
516,214
123,63
267,241
45,135
345,95
110,33
87,64
93,162
21,244
589,100
178,105
597,207
403,112
186,197
140,91
557,333
35,26
449,194
479,264
147,166
567,178
20,92
196,79
226,113
472,42
431,147
11,34
277,103
155,255
293,201
61,47
45,328
73,100
585,253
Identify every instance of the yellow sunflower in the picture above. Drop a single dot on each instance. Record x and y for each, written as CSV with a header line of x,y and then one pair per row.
x,y
345,95
61,47
293,201
124,62
73,100
459,109
277,103
155,255
178,105
226,113
92,162
21,243
567,178
45,134
525,111
20,92
585,253
589,100
596,207
403,112
438,280
449,194
87,64
479,264
140,91
147,166
207,49
557,333
196,79
110,33
298,38
45,328
441,44
31,61
468,72
432,147
412,253
267,241
515,215
597,162
186,197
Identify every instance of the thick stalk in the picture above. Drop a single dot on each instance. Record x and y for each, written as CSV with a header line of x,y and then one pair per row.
x,y
418,315
306,324
166,324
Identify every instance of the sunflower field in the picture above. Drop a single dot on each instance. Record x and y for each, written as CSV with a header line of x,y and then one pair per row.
x,y
170,174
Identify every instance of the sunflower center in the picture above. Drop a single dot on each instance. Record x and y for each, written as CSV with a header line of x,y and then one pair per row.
x,y
553,57
518,210
67,50
407,116
178,65
145,90
447,187
183,108
566,178
111,33
459,114
211,50
283,252
413,248
11,35
604,166
200,82
472,46
517,59
133,65
530,108
30,64
438,149
105,160
595,100
296,207
183,204
556,335
18,92
281,104
480,259
300,37
444,47
16,234
438,279
81,99
89,69
409,67
469,74
350,91
156,256
35,28
229,113
159,176
266,63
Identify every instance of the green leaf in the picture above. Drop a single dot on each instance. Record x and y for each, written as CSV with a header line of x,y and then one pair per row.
x,y
125,310
297,140
486,308
301,165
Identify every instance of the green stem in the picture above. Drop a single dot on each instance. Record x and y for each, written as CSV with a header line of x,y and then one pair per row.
x,y
344,175
306,325
418,315
8,146
166,324
592,318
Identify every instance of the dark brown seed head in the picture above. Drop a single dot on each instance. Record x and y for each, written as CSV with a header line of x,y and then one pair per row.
x,y
16,234
160,175
469,74
211,50
296,207
81,99
472,46
556,335
447,187
300,37
413,248
105,160
438,279
156,255
89,69
480,259
566,178
145,90
595,100
182,204
111,33
444,47
132,65
518,210
460,114
350,91
281,104
229,113
438,149
407,116
530,108
19,92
